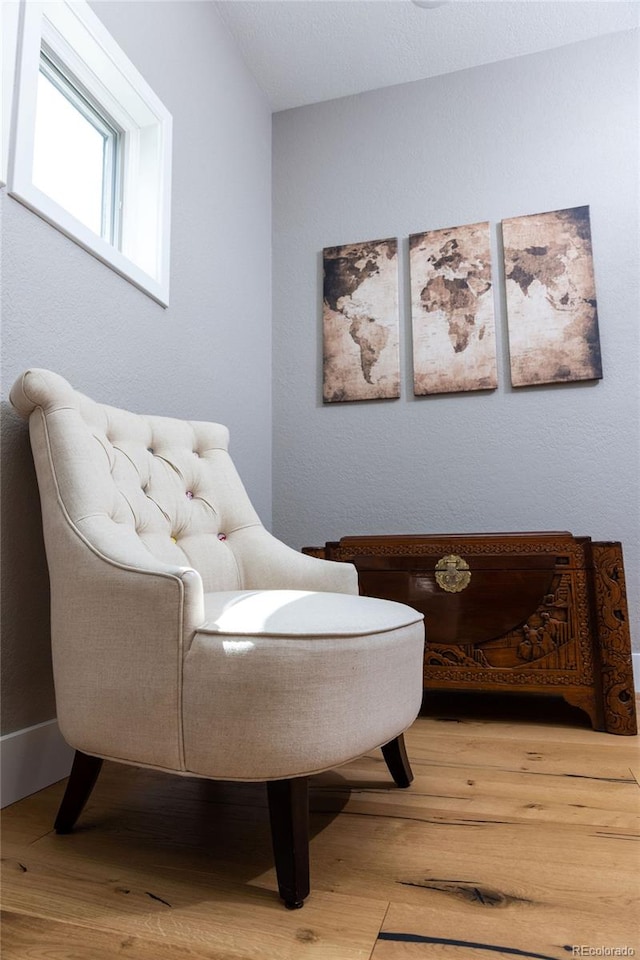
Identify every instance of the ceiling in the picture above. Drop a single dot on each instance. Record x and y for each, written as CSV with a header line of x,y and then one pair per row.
x,y
305,51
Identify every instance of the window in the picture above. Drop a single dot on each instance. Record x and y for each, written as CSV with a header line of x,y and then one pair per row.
x,y
76,151
92,147
9,11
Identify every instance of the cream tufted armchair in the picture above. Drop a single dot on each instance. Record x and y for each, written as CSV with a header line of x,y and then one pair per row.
x,y
186,638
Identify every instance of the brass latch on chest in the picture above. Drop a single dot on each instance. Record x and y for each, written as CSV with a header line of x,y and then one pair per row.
x,y
452,573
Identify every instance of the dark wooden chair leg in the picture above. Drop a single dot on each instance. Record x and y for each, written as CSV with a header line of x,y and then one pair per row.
x,y
289,816
84,774
397,761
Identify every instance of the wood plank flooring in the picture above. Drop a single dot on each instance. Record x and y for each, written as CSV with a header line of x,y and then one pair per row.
x,y
518,838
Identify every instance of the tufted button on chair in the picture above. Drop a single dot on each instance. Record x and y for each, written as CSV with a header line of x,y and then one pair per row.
x,y
186,638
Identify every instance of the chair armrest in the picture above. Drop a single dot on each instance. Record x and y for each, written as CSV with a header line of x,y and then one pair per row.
x,y
121,546
269,564
120,620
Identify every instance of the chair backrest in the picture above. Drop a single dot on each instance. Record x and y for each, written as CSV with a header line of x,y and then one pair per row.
x,y
122,477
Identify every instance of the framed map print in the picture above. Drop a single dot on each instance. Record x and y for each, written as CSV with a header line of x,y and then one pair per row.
x,y
551,298
360,321
454,346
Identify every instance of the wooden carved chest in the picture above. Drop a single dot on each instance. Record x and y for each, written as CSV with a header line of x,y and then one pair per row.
x,y
542,613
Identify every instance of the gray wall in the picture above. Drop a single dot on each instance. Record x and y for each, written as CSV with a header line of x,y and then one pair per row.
x,y
543,132
206,357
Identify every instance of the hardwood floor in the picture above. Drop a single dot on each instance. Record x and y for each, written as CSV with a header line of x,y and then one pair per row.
x,y
516,839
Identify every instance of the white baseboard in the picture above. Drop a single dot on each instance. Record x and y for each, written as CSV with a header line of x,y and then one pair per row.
x,y
32,759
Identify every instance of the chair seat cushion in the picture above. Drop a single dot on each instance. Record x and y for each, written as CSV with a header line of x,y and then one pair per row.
x,y
303,614
285,683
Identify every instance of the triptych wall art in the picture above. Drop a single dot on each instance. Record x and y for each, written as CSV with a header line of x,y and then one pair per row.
x,y
550,296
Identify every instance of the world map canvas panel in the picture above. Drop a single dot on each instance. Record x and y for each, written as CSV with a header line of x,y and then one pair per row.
x,y
454,346
360,321
551,298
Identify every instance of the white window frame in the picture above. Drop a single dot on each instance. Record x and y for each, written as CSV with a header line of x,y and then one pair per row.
x,y
79,40
9,15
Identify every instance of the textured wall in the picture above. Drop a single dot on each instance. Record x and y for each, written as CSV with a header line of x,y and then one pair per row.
x,y
205,357
553,130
